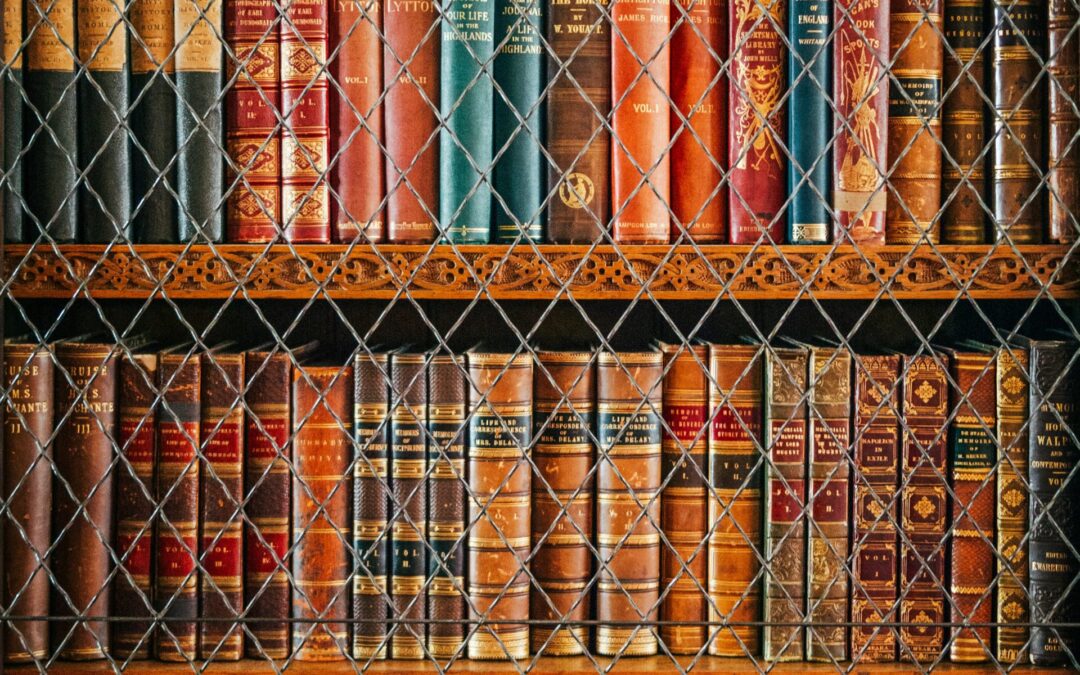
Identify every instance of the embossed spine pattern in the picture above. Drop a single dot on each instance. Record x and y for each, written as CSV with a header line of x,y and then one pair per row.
x,y
11,89
562,497
809,68
629,396
1063,159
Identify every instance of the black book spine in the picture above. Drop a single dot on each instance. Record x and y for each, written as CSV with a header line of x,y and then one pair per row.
x,y
12,85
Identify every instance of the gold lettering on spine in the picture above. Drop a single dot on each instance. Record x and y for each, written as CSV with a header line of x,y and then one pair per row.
x,y
198,32
13,34
102,35
153,21
52,35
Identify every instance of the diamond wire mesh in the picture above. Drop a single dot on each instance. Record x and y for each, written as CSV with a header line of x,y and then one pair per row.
x,y
123,334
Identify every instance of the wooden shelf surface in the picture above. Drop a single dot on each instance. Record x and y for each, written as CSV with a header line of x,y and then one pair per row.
x,y
541,273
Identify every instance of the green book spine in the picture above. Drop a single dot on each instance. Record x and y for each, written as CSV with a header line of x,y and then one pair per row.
x,y
12,57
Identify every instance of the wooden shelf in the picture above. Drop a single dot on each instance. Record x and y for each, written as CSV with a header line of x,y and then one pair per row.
x,y
520,273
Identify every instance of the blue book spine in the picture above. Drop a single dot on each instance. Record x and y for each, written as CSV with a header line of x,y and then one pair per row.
x,y
810,122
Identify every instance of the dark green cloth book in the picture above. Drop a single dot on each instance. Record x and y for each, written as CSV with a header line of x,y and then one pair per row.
x,y
810,77
11,91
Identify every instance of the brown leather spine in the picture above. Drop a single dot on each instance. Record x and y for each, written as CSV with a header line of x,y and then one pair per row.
x,y
85,385
562,497
322,487
500,430
221,585
629,396
683,512
1063,159
28,428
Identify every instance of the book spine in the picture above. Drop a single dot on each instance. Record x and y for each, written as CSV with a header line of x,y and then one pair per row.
x,y
221,431
465,147
562,497
973,456
133,588
175,541
629,395
199,167
411,104
253,204
830,471
640,81
810,133
579,100
1063,158
322,453
786,372
735,475
27,494
683,511
50,89
519,174
356,122
13,85
912,211
757,128
500,433
446,505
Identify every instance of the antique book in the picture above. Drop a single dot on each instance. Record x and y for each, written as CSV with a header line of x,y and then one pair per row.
x,y
629,403
683,510
466,95
1063,157
519,175
221,493
1017,90
27,494
1055,530
735,474
253,206
810,132
13,56
411,109
924,507
757,127
964,115
875,478
640,165
578,102
912,211
861,97
447,395
321,492
356,122
500,478
562,497
785,549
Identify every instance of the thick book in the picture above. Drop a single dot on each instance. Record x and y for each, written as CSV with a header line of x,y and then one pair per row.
x,y
811,131
27,494
735,474
500,480
757,128
320,559
912,211
562,497
13,56
1063,156
629,404
683,509
641,121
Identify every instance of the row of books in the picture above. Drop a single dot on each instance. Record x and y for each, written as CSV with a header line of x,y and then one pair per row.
x,y
485,120
728,499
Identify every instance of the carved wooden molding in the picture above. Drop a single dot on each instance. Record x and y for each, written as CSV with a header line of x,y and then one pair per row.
x,y
521,273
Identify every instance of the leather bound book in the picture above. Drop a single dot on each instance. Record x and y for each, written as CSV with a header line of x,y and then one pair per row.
x,y
356,121
914,122
500,432
562,497
446,504
786,372
683,512
82,504
1063,157
629,402
811,131
1053,454
28,428
757,128
735,474
411,105
924,509
253,205
580,210
221,528
640,165
11,91
1017,91
875,478
321,492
